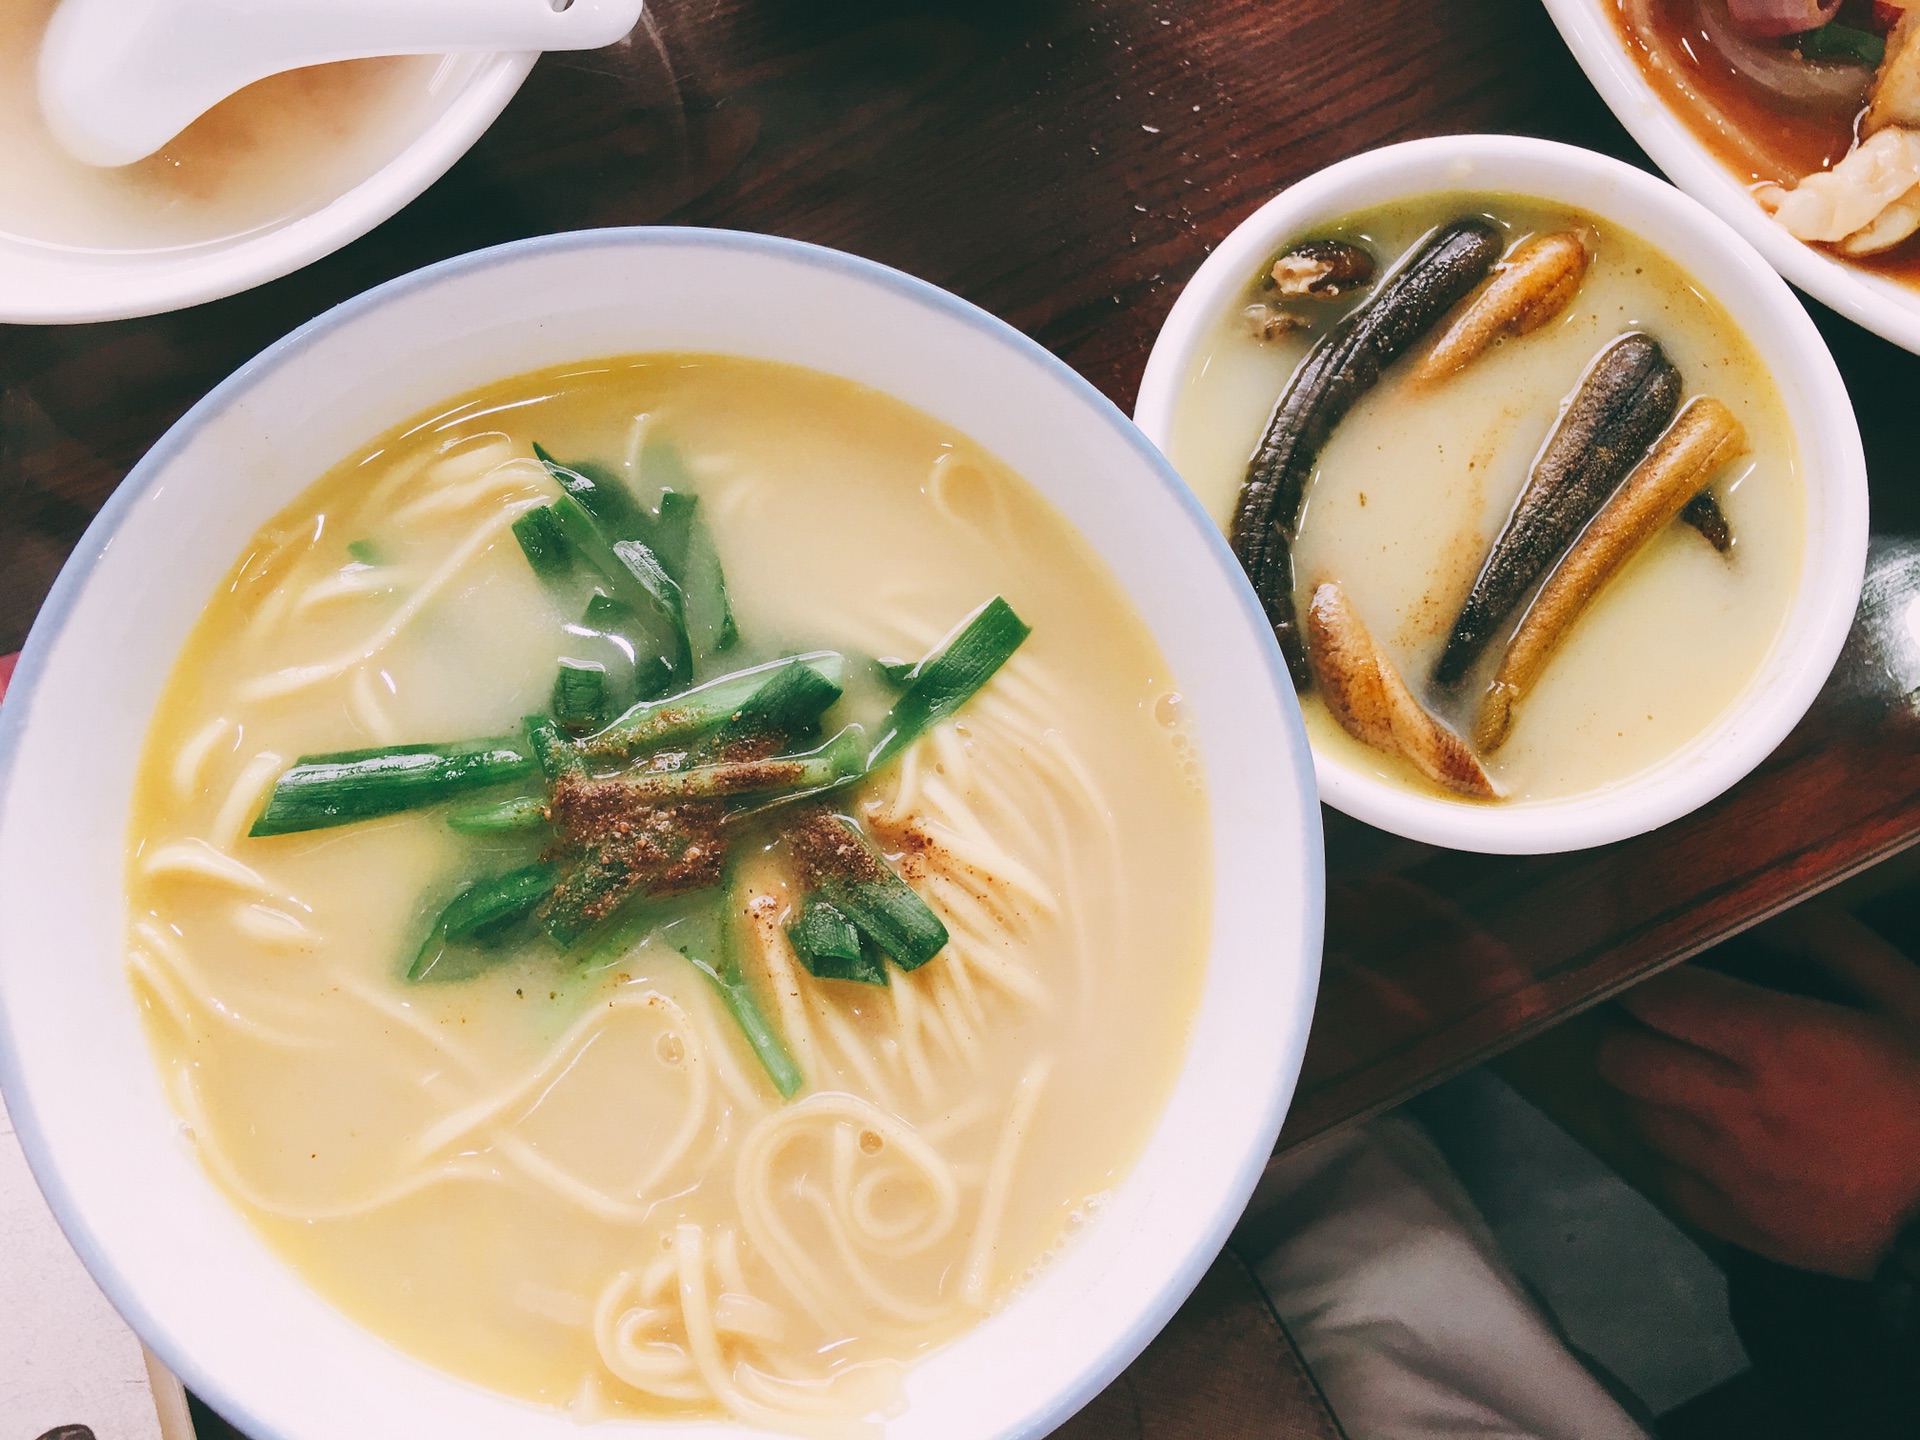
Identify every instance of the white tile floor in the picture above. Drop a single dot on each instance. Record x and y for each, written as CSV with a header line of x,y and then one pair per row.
x,y
1630,1291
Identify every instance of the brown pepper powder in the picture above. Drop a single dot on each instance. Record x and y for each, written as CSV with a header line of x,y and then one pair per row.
x,y
823,845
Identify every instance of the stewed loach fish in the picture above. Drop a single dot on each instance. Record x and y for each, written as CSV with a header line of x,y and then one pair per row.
x,y
1623,402
1342,367
1567,362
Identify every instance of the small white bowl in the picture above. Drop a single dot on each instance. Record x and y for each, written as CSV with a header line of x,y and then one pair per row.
x,y
51,285
177,1259
1881,304
1818,411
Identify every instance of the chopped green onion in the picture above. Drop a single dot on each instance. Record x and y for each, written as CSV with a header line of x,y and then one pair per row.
x,y
622,629
555,754
896,672
594,889
607,615
948,678
340,788
673,530
365,552
884,907
600,493
521,815
604,879
839,759
538,532
693,713
483,907
580,695
830,946
1842,43
652,677
635,576
607,943
710,947
789,704
685,547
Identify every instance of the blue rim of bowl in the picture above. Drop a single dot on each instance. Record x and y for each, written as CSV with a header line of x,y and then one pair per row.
x,y
56,611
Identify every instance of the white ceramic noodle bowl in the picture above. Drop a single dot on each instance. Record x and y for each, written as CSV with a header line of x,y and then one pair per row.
x,y
1881,304
48,285
1832,466
79,1079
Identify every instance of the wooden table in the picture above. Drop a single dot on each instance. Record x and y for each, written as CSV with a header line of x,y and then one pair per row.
x,y
1067,164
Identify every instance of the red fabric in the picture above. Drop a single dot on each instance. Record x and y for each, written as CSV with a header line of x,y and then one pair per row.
x,y
6,671
1780,17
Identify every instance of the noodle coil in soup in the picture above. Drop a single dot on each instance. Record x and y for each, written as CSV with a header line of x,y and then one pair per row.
x,y
1521,502
670,887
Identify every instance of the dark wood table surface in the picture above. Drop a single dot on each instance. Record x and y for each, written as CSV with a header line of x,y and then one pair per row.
x,y
1067,164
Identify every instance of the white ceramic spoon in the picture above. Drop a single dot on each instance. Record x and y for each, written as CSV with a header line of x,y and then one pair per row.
x,y
120,78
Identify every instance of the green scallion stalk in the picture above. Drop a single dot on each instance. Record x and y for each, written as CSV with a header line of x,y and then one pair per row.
x,y
687,716
685,547
673,529
542,543
950,676
622,629
607,943
523,815
588,895
831,946
885,908
365,552
601,494
337,789
839,759
786,706
607,616
635,576
580,695
711,949
552,751
482,907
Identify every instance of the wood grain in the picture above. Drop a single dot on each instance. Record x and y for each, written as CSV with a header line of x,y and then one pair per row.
x,y
1067,164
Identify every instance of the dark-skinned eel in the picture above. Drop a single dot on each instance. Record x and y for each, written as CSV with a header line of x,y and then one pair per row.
x,y
1335,374
1623,402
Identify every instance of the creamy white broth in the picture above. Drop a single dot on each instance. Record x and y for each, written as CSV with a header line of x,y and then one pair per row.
x,y
348,1112
277,150
1414,485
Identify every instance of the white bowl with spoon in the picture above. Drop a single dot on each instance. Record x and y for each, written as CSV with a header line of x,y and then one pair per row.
x,y
169,152
1819,420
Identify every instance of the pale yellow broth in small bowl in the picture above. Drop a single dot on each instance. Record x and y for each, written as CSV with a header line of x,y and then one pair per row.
x,y
1615,501
1417,481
